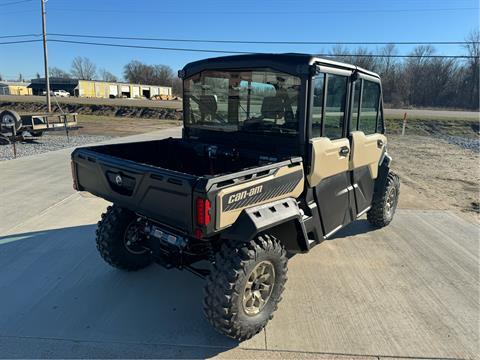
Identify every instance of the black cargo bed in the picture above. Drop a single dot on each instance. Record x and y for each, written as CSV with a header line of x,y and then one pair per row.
x,y
154,178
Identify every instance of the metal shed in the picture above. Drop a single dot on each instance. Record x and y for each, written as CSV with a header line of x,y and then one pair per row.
x,y
15,88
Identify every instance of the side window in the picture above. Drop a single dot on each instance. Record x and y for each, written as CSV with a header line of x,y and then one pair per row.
x,y
335,106
356,102
317,108
368,113
380,123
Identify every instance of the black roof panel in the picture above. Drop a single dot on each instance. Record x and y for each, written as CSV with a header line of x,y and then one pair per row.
x,y
291,63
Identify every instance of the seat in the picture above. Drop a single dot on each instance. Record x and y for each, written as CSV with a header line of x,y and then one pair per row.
x,y
273,108
208,106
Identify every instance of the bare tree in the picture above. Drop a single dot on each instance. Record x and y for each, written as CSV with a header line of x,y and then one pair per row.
x,y
360,56
83,68
56,72
138,72
177,87
106,75
340,53
390,69
471,75
387,62
163,75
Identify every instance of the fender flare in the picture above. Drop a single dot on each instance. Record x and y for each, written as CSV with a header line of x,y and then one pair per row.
x,y
278,215
383,170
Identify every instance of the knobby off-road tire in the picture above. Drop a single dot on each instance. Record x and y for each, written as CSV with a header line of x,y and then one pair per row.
x,y
385,202
116,240
229,305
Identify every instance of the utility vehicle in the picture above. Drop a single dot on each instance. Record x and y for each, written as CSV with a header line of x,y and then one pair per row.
x,y
278,152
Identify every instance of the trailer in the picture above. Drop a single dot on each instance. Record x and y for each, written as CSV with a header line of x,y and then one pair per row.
x,y
15,127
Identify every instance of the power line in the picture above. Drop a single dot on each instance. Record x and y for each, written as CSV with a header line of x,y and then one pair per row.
x,y
252,12
19,36
263,42
229,51
248,52
149,47
15,2
19,42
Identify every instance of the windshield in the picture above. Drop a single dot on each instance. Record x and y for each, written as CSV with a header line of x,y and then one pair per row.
x,y
260,101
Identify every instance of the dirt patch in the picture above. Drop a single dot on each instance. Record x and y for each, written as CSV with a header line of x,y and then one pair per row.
x,y
437,174
120,126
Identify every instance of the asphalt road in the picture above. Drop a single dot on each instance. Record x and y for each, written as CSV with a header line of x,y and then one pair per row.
x,y
408,290
174,104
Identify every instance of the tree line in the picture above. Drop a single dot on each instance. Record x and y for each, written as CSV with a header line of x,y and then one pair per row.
x,y
422,81
82,68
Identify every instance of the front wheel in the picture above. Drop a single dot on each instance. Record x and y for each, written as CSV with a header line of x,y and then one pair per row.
x,y
119,242
245,286
385,202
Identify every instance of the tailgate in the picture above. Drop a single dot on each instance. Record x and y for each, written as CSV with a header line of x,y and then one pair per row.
x,y
160,194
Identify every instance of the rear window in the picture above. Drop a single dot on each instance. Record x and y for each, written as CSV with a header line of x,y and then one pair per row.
x,y
260,101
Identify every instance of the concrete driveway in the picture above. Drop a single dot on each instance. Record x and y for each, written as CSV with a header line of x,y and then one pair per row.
x,y
409,290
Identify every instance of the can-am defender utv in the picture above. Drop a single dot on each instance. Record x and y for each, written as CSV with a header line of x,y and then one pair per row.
x,y
278,152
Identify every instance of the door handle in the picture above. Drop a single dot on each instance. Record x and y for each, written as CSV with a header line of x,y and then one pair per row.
x,y
344,150
380,143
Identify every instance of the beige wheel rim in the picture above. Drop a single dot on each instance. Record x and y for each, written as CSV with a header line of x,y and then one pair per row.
x,y
258,288
390,201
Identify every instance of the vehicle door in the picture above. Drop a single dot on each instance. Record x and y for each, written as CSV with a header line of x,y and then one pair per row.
x,y
330,148
366,138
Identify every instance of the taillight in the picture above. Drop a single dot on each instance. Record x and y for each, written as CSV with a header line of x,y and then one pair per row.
x,y
203,211
74,175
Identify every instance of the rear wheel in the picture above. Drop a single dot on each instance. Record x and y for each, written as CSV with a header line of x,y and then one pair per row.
x,y
385,202
10,119
119,242
245,286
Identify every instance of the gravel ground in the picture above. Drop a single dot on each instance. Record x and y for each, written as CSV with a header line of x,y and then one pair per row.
x,y
464,143
48,143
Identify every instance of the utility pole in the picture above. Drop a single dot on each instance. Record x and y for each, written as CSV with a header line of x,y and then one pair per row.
x,y
45,57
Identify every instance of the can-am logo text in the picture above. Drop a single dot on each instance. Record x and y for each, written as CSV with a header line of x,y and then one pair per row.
x,y
244,194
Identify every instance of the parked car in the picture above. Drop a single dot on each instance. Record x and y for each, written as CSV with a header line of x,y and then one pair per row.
x,y
61,93
57,93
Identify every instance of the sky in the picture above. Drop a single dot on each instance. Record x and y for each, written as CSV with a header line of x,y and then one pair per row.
x,y
257,20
